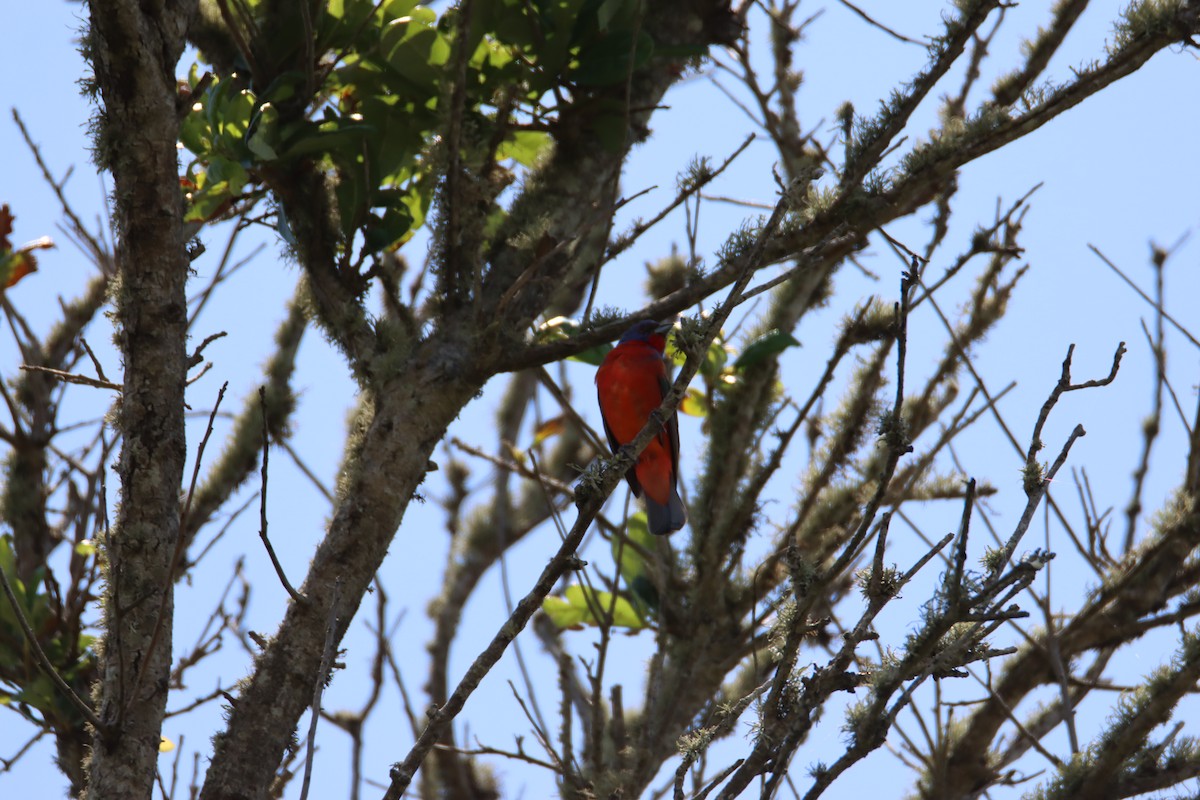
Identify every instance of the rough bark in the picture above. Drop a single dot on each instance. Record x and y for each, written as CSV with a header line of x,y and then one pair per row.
x,y
135,47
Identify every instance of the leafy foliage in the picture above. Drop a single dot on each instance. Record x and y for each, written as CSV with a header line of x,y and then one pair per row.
x,y
372,104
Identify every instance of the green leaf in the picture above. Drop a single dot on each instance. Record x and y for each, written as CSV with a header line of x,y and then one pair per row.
x,y
630,561
563,614
195,133
264,133
620,10
624,615
593,355
415,50
8,561
770,344
693,403
632,564
233,124
611,59
714,359
524,147
328,136
560,329
599,603
217,185
394,9
583,606
394,227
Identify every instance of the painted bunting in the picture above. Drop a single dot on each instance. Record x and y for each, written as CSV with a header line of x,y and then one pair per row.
x,y
631,383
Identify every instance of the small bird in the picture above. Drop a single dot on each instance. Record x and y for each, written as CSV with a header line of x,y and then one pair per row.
x,y
630,383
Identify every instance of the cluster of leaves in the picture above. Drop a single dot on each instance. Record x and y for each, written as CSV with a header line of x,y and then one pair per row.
x,y
372,105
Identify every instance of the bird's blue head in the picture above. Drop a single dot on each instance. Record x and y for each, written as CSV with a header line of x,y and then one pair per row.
x,y
649,331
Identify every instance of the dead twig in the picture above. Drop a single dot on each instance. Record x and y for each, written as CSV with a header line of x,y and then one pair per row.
x,y
262,507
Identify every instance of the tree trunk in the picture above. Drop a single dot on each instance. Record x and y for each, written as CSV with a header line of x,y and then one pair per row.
x,y
135,47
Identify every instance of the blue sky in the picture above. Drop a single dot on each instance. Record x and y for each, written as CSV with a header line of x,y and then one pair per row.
x,y
1118,172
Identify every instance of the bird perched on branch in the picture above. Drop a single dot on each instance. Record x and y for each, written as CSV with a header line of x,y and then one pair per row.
x,y
630,384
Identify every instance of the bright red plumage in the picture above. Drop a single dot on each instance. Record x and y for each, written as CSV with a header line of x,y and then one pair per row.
x,y
630,384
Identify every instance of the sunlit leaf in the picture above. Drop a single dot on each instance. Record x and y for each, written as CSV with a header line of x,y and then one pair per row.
x,y
415,50
563,614
217,186
624,615
580,606
524,147
602,603
556,329
693,403
165,745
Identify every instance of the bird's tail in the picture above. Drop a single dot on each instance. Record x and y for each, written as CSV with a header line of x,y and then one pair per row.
x,y
664,519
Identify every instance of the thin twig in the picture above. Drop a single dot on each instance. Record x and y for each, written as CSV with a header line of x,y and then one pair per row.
x,y
304,468
187,505
196,357
625,240
99,252
71,377
95,361
6,764
515,467
262,505
876,23
1156,306
323,675
1153,424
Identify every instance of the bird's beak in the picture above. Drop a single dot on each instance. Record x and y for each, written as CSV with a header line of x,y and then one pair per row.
x,y
665,327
